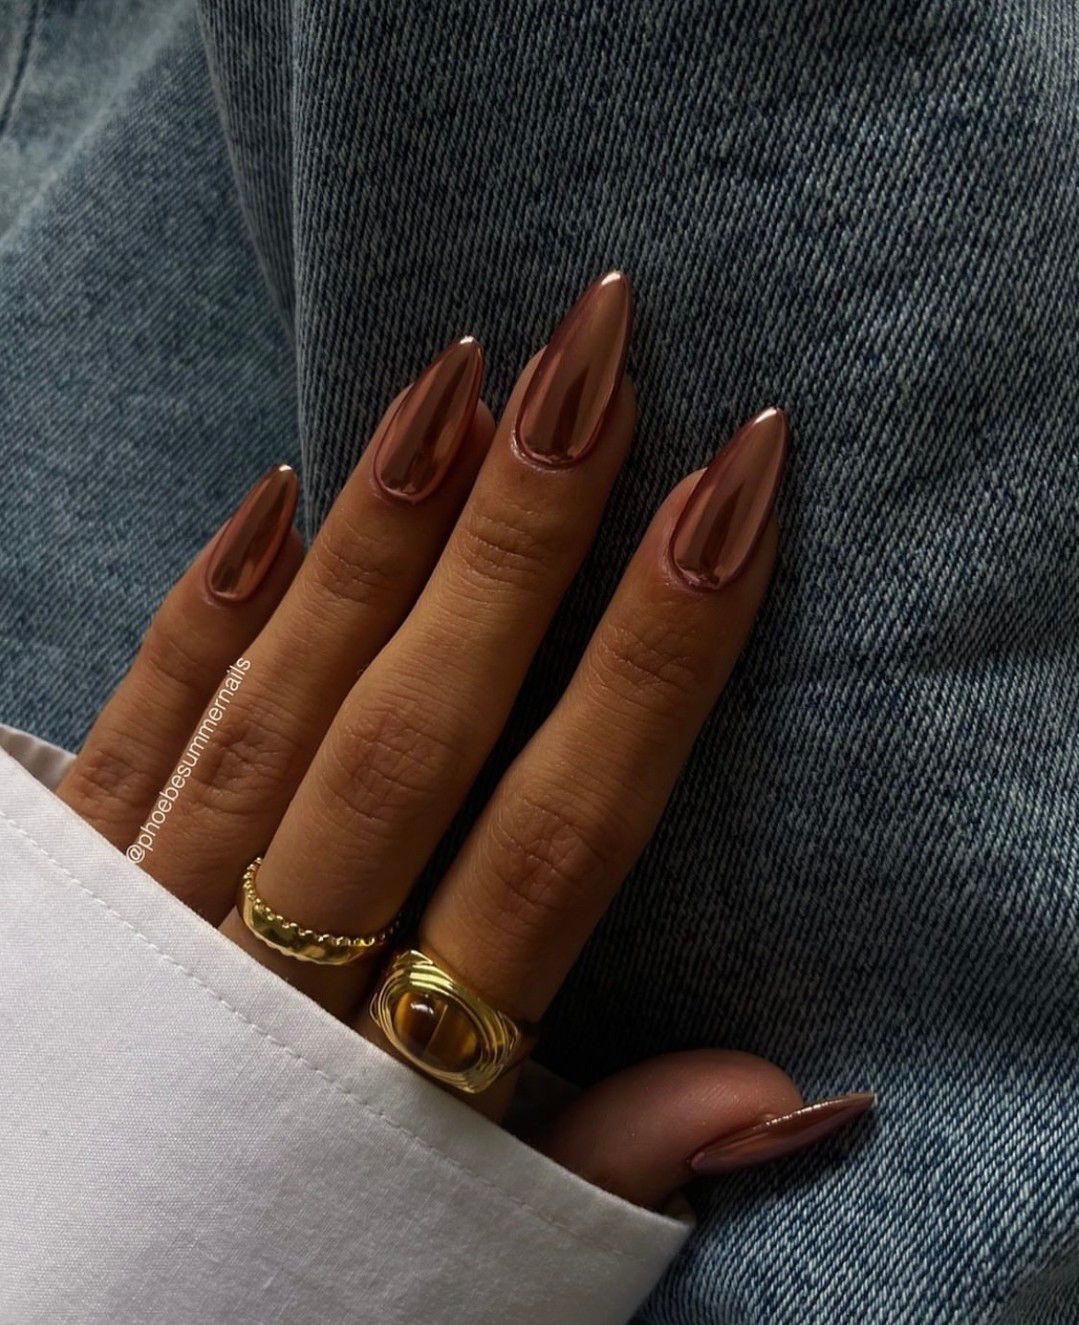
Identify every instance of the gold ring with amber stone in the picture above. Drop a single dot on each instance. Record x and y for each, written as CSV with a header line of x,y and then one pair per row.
x,y
443,1028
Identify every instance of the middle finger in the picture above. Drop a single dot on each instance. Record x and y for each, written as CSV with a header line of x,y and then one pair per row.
x,y
575,809
415,729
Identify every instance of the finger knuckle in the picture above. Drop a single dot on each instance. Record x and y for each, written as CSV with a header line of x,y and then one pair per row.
x,y
547,853
111,779
171,652
248,757
386,759
510,547
346,564
656,663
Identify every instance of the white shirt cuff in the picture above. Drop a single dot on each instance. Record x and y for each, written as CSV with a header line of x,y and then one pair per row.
x,y
185,1137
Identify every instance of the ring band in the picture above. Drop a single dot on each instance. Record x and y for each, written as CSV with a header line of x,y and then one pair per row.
x,y
305,945
443,1028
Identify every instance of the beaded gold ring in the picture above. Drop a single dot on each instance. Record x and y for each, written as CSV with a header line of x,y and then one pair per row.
x,y
305,945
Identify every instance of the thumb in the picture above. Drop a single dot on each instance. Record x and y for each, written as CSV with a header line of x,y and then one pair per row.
x,y
644,1132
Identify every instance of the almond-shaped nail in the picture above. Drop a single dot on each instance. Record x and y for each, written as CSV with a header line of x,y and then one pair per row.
x,y
248,545
572,391
429,425
780,1136
728,510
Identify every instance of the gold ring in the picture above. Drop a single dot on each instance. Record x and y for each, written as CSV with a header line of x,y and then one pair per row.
x,y
305,945
443,1028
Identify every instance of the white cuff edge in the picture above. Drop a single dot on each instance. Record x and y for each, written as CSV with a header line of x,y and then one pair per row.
x,y
424,1115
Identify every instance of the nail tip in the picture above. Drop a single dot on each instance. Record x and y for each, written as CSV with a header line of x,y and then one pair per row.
x,y
862,1101
473,354
774,1139
465,348
772,420
772,429
470,344
282,473
838,1109
620,287
612,289
289,482
617,278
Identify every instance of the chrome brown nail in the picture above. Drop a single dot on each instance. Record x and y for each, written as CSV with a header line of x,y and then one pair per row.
x,y
573,389
728,510
247,546
429,425
776,1137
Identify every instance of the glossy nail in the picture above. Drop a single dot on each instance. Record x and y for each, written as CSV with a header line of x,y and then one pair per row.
x,y
573,389
728,510
429,425
247,546
776,1137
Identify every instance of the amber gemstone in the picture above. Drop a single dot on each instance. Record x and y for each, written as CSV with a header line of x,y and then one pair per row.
x,y
436,1030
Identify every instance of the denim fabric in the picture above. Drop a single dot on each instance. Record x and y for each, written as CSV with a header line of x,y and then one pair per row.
x,y
867,214
143,377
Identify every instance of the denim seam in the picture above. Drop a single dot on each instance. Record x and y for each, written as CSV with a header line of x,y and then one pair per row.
x,y
312,1067
21,64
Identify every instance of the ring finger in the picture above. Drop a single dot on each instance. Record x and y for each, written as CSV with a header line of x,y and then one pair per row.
x,y
574,811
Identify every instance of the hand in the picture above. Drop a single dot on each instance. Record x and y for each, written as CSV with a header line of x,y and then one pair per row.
x,y
374,676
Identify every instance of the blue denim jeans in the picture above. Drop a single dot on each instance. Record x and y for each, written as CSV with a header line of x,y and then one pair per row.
x,y
868,214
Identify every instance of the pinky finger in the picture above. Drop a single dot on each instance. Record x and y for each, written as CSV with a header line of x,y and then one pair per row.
x,y
207,620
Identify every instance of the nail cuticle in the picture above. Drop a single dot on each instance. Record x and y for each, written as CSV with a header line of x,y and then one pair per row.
x,y
546,464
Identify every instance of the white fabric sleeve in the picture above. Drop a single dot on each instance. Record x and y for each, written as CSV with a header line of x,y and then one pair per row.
x,y
183,1137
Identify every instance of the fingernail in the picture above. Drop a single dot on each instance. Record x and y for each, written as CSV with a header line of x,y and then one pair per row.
x,y
570,395
729,508
430,424
247,546
780,1136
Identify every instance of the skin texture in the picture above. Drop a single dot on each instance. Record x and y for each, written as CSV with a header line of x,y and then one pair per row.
x,y
138,736
381,669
